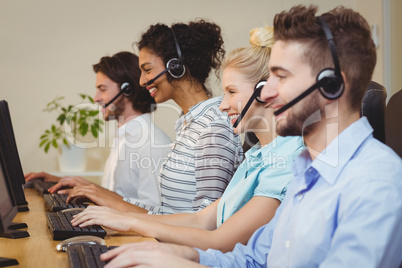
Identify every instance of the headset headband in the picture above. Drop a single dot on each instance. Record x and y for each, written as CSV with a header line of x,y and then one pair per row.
x,y
177,46
331,43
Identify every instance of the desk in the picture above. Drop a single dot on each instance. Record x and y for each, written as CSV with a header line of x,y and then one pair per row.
x,y
39,250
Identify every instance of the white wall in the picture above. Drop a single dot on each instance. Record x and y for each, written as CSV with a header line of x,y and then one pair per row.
x,y
47,49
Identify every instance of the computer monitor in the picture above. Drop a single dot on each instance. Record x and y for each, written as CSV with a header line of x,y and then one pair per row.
x,y
5,113
10,157
8,210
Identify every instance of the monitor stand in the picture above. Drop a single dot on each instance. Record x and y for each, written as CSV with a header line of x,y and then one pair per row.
x,y
13,232
4,262
23,208
17,225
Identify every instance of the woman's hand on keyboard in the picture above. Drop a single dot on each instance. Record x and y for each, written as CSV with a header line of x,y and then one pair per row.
x,y
105,216
65,185
97,194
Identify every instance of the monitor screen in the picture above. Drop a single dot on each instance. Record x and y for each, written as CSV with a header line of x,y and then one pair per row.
x,y
8,208
10,158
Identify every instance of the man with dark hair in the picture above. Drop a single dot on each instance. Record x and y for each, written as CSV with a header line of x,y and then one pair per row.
x,y
139,148
344,206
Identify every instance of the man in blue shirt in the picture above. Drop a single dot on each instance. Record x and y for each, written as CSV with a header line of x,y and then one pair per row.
x,y
344,206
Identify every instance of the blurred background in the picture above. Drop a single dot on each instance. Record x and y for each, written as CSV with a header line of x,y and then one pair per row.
x,y
48,47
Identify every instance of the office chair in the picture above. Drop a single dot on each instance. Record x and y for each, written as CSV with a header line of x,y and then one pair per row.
x,y
373,107
393,123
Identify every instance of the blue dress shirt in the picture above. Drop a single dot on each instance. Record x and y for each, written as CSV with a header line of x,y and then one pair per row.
x,y
344,209
264,172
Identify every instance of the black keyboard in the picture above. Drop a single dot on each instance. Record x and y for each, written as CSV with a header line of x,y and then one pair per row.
x,y
57,202
43,186
59,224
86,256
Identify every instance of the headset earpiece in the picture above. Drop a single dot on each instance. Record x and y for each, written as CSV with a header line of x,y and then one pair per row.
x,y
175,68
126,89
331,86
257,89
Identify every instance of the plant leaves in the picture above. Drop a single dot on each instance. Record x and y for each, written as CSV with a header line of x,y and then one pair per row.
x,y
47,147
55,144
43,142
94,131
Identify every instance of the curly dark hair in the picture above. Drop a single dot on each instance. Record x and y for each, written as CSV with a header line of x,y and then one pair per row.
x,y
352,36
200,42
123,67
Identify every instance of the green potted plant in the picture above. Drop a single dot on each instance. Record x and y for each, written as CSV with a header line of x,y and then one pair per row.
x,y
74,122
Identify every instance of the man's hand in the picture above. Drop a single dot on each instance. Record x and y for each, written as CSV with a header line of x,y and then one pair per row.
x,y
40,175
151,254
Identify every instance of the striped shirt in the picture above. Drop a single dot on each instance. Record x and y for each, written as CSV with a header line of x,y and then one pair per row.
x,y
203,160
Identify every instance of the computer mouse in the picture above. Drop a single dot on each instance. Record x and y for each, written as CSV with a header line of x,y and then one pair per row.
x,y
79,240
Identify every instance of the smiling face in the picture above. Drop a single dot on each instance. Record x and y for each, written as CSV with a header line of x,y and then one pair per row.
x,y
237,93
151,65
290,76
106,90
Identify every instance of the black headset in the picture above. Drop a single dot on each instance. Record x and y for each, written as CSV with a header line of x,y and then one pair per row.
x,y
329,80
256,94
175,66
126,89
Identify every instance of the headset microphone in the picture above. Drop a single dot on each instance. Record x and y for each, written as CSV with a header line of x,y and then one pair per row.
x,y
150,82
298,98
255,95
110,102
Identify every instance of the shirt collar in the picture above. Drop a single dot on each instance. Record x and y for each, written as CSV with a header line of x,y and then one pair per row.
x,y
333,159
280,146
196,111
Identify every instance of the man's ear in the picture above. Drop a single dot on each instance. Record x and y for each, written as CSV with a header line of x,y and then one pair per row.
x,y
345,82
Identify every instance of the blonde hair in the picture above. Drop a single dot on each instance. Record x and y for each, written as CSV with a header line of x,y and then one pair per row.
x,y
253,61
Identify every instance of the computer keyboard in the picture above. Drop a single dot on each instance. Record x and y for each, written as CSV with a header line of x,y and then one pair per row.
x,y
43,186
58,202
86,256
59,224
